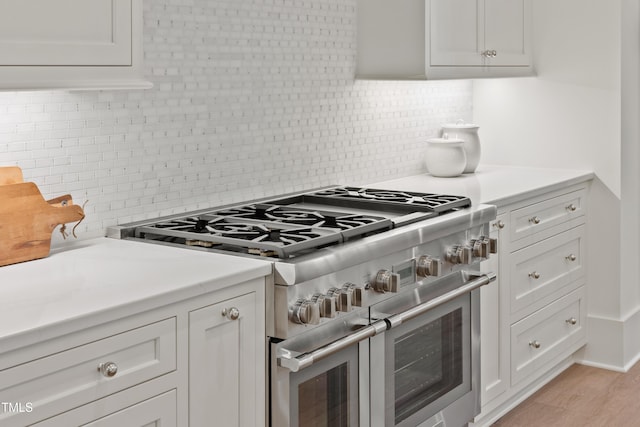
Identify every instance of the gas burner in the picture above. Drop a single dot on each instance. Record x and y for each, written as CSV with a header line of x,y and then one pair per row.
x,y
299,216
420,201
218,226
268,239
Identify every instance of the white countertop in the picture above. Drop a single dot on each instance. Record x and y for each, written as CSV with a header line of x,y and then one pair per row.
x,y
498,185
108,275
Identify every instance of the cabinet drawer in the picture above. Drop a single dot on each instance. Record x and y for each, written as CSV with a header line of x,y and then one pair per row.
x,y
532,219
159,411
542,269
547,336
71,378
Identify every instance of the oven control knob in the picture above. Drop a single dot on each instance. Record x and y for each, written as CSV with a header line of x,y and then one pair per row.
x,y
428,266
483,246
358,293
460,254
326,305
343,298
305,312
480,247
385,281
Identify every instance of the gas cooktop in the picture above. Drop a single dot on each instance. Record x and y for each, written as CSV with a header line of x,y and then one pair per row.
x,y
287,226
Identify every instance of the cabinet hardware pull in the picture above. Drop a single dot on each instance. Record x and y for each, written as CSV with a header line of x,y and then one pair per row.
x,y
572,321
489,53
108,369
231,313
534,220
535,344
571,257
500,224
572,207
534,275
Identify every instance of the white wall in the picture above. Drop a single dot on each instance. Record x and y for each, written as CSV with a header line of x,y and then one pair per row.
x,y
570,116
630,226
251,99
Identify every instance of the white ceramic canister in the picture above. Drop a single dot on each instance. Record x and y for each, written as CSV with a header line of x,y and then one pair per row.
x,y
469,134
445,156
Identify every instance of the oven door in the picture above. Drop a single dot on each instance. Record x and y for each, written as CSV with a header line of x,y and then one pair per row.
x,y
320,382
425,368
325,394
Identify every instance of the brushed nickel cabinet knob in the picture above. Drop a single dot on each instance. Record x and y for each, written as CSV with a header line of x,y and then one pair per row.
x,y
231,313
108,369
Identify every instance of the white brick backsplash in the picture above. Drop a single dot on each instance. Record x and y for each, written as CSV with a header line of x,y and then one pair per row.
x,y
251,98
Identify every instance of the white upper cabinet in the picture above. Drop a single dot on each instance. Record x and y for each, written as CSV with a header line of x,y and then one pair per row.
x,y
444,39
71,44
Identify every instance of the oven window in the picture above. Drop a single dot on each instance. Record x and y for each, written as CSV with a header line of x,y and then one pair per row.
x,y
428,364
324,399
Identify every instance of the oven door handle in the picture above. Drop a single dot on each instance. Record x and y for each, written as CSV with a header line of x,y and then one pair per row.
x,y
288,359
296,362
477,280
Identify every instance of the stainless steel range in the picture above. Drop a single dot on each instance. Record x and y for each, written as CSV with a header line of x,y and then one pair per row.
x,y
373,309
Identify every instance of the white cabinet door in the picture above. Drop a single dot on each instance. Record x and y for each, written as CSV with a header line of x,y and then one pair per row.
x,y
456,31
494,327
73,377
507,32
225,366
159,411
444,39
65,32
462,30
71,44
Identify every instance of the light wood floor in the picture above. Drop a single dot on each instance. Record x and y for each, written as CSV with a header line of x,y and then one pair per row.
x,y
582,396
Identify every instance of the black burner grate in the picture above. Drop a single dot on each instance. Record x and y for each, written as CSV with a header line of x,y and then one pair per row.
x,y
282,228
438,203
300,216
222,227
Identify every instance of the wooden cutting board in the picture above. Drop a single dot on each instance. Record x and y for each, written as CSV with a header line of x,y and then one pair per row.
x,y
13,175
10,175
27,221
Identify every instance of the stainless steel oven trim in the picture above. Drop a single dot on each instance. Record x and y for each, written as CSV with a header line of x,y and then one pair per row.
x,y
290,360
479,279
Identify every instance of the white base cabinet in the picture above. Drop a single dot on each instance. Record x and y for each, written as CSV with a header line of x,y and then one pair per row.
x,y
197,362
224,384
535,318
158,411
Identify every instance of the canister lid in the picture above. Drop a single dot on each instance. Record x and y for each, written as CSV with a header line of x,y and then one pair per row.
x,y
460,124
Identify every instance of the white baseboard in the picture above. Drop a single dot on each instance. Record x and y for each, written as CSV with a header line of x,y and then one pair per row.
x,y
612,344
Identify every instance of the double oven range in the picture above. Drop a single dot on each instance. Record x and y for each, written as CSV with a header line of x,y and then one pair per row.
x,y
373,307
